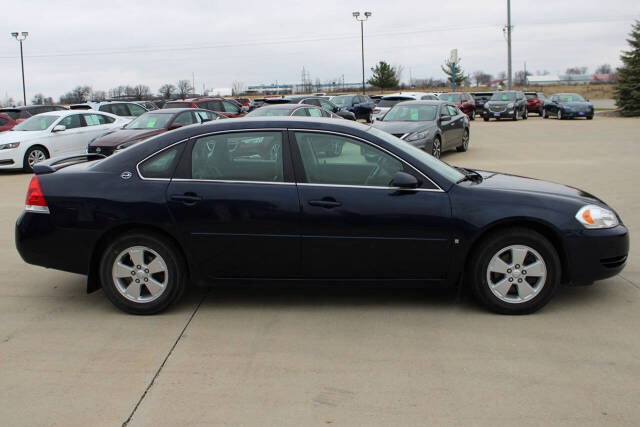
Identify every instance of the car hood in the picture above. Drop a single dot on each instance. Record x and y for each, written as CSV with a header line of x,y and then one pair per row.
x,y
119,136
17,136
402,127
502,181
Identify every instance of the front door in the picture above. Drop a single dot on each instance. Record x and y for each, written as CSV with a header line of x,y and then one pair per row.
x,y
72,140
235,203
354,225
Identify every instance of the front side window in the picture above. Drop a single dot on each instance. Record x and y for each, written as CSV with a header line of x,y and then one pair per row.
x,y
184,119
162,164
314,112
333,159
203,116
300,112
71,122
342,101
230,108
453,111
238,156
117,109
136,110
327,105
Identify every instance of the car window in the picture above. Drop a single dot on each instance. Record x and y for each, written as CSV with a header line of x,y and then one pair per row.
x,y
344,101
184,119
411,113
453,111
333,159
162,164
325,113
230,108
3,121
117,109
95,119
39,122
444,111
213,105
245,156
311,102
203,116
300,112
177,105
136,110
71,122
314,112
326,105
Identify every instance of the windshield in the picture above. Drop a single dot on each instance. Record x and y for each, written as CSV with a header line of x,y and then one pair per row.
x,y
150,121
427,159
39,122
341,100
393,101
411,113
450,97
570,97
177,105
268,112
531,95
503,96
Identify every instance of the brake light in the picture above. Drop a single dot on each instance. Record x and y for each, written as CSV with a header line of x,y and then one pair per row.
x,y
35,197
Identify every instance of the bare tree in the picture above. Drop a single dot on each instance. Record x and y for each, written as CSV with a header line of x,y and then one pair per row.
x,y
38,99
184,87
399,70
117,92
576,70
520,78
98,96
140,92
238,88
166,90
604,69
76,95
481,78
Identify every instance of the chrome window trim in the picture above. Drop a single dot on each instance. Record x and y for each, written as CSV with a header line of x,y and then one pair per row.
x,y
373,187
233,181
378,147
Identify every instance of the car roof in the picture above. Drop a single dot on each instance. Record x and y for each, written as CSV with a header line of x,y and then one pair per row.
x,y
424,102
287,106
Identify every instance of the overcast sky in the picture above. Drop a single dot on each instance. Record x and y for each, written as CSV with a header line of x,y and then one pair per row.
x,y
109,43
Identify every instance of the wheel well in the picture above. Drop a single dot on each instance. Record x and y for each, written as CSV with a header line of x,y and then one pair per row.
x,y
546,230
24,160
93,283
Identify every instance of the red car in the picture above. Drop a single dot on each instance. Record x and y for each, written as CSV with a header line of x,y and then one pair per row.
x,y
226,107
535,102
464,101
245,102
6,122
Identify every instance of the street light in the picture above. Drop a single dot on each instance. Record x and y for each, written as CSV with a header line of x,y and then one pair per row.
x,y
367,15
20,37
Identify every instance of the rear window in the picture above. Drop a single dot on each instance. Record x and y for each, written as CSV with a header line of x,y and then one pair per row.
x,y
450,97
392,101
177,105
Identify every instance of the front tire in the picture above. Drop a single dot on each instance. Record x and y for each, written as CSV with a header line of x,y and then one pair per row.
x,y
486,119
559,115
436,148
515,271
34,155
525,116
473,114
515,116
142,273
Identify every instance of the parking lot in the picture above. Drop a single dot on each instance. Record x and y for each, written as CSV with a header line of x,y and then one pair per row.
x,y
345,355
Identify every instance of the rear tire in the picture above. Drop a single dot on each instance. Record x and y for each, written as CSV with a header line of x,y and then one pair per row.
x,y
545,114
589,117
526,115
473,114
465,142
498,271
142,273
486,119
34,155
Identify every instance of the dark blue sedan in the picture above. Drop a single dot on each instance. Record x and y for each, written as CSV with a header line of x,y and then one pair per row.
x,y
261,199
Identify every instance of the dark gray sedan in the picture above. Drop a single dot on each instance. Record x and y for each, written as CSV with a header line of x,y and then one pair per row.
x,y
433,126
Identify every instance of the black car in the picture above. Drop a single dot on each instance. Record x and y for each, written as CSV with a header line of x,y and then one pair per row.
x,y
183,208
481,98
360,105
432,126
24,112
567,106
329,106
508,104
294,110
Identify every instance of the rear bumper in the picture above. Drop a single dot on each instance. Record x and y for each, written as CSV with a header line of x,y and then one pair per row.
x,y
596,254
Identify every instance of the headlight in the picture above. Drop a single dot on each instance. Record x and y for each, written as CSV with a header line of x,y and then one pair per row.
x,y
510,105
9,145
592,216
417,135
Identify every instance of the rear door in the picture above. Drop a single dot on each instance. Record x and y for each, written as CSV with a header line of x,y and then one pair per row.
x,y
235,202
456,126
354,225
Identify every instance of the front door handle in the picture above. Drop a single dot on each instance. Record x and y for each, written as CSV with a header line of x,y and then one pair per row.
x,y
325,203
186,198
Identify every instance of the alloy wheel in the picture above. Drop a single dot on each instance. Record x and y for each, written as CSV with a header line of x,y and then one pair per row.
x,y
559,115
465,139
516,274
140,274
436,150
36,156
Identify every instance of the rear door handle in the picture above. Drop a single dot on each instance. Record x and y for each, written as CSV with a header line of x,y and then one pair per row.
x,y
325,203
187,198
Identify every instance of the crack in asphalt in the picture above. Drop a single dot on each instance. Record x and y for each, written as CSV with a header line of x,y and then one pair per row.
x,y
629,281
146,390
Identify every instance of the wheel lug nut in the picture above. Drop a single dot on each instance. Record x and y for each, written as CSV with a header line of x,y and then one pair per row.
x,y
137,280
508,270
511,279
146,280
146,270
519,280
138,267
133,273
524,271
517,266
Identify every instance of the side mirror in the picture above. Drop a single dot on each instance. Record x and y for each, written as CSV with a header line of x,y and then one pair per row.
x,y
444,118
244,109
59,128
175,126
404,180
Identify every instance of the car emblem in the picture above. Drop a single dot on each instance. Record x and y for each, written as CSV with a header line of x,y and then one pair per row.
x,y
98,150
125,175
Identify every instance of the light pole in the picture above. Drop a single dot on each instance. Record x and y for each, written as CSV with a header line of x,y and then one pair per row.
x,y
366,16
20,37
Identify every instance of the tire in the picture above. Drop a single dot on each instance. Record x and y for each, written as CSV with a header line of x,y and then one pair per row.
x,y
141,299
465,142
525,116
515,291
473,114
486,119
436,148
589,117
540,112
559,114
545,114
515,116
34,154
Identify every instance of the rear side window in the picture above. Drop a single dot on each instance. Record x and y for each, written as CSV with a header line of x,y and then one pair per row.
x,y
95,119
300,112
136,110
162,164
315,112
71,122
3,121
230,108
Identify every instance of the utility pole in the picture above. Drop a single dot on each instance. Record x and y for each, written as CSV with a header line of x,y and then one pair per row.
x,y
20,37
509,44
525,73
193,81
366,16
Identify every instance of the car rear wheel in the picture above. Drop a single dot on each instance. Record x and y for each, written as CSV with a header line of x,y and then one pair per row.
x,y
142,273
486,119
525,116
465,142
515,271
473,115
559,115
589,117
32,156
436,148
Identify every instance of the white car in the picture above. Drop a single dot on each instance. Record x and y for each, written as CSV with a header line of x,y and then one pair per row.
x,y
388,101
130,110
52,134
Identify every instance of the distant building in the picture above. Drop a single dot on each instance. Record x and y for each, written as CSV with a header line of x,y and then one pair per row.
x,y
288,88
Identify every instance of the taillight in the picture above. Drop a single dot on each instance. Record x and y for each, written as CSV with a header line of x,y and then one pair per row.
x,y
35,198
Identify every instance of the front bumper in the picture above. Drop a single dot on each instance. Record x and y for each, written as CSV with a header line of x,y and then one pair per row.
x,y
596,254
507,114
572,114
10,159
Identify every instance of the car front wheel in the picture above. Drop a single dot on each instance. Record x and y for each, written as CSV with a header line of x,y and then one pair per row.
x,y
32,156
515,271
142,273
436,148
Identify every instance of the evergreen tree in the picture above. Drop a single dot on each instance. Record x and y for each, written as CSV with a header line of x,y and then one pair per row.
x,y
448,70
384,76
627,91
